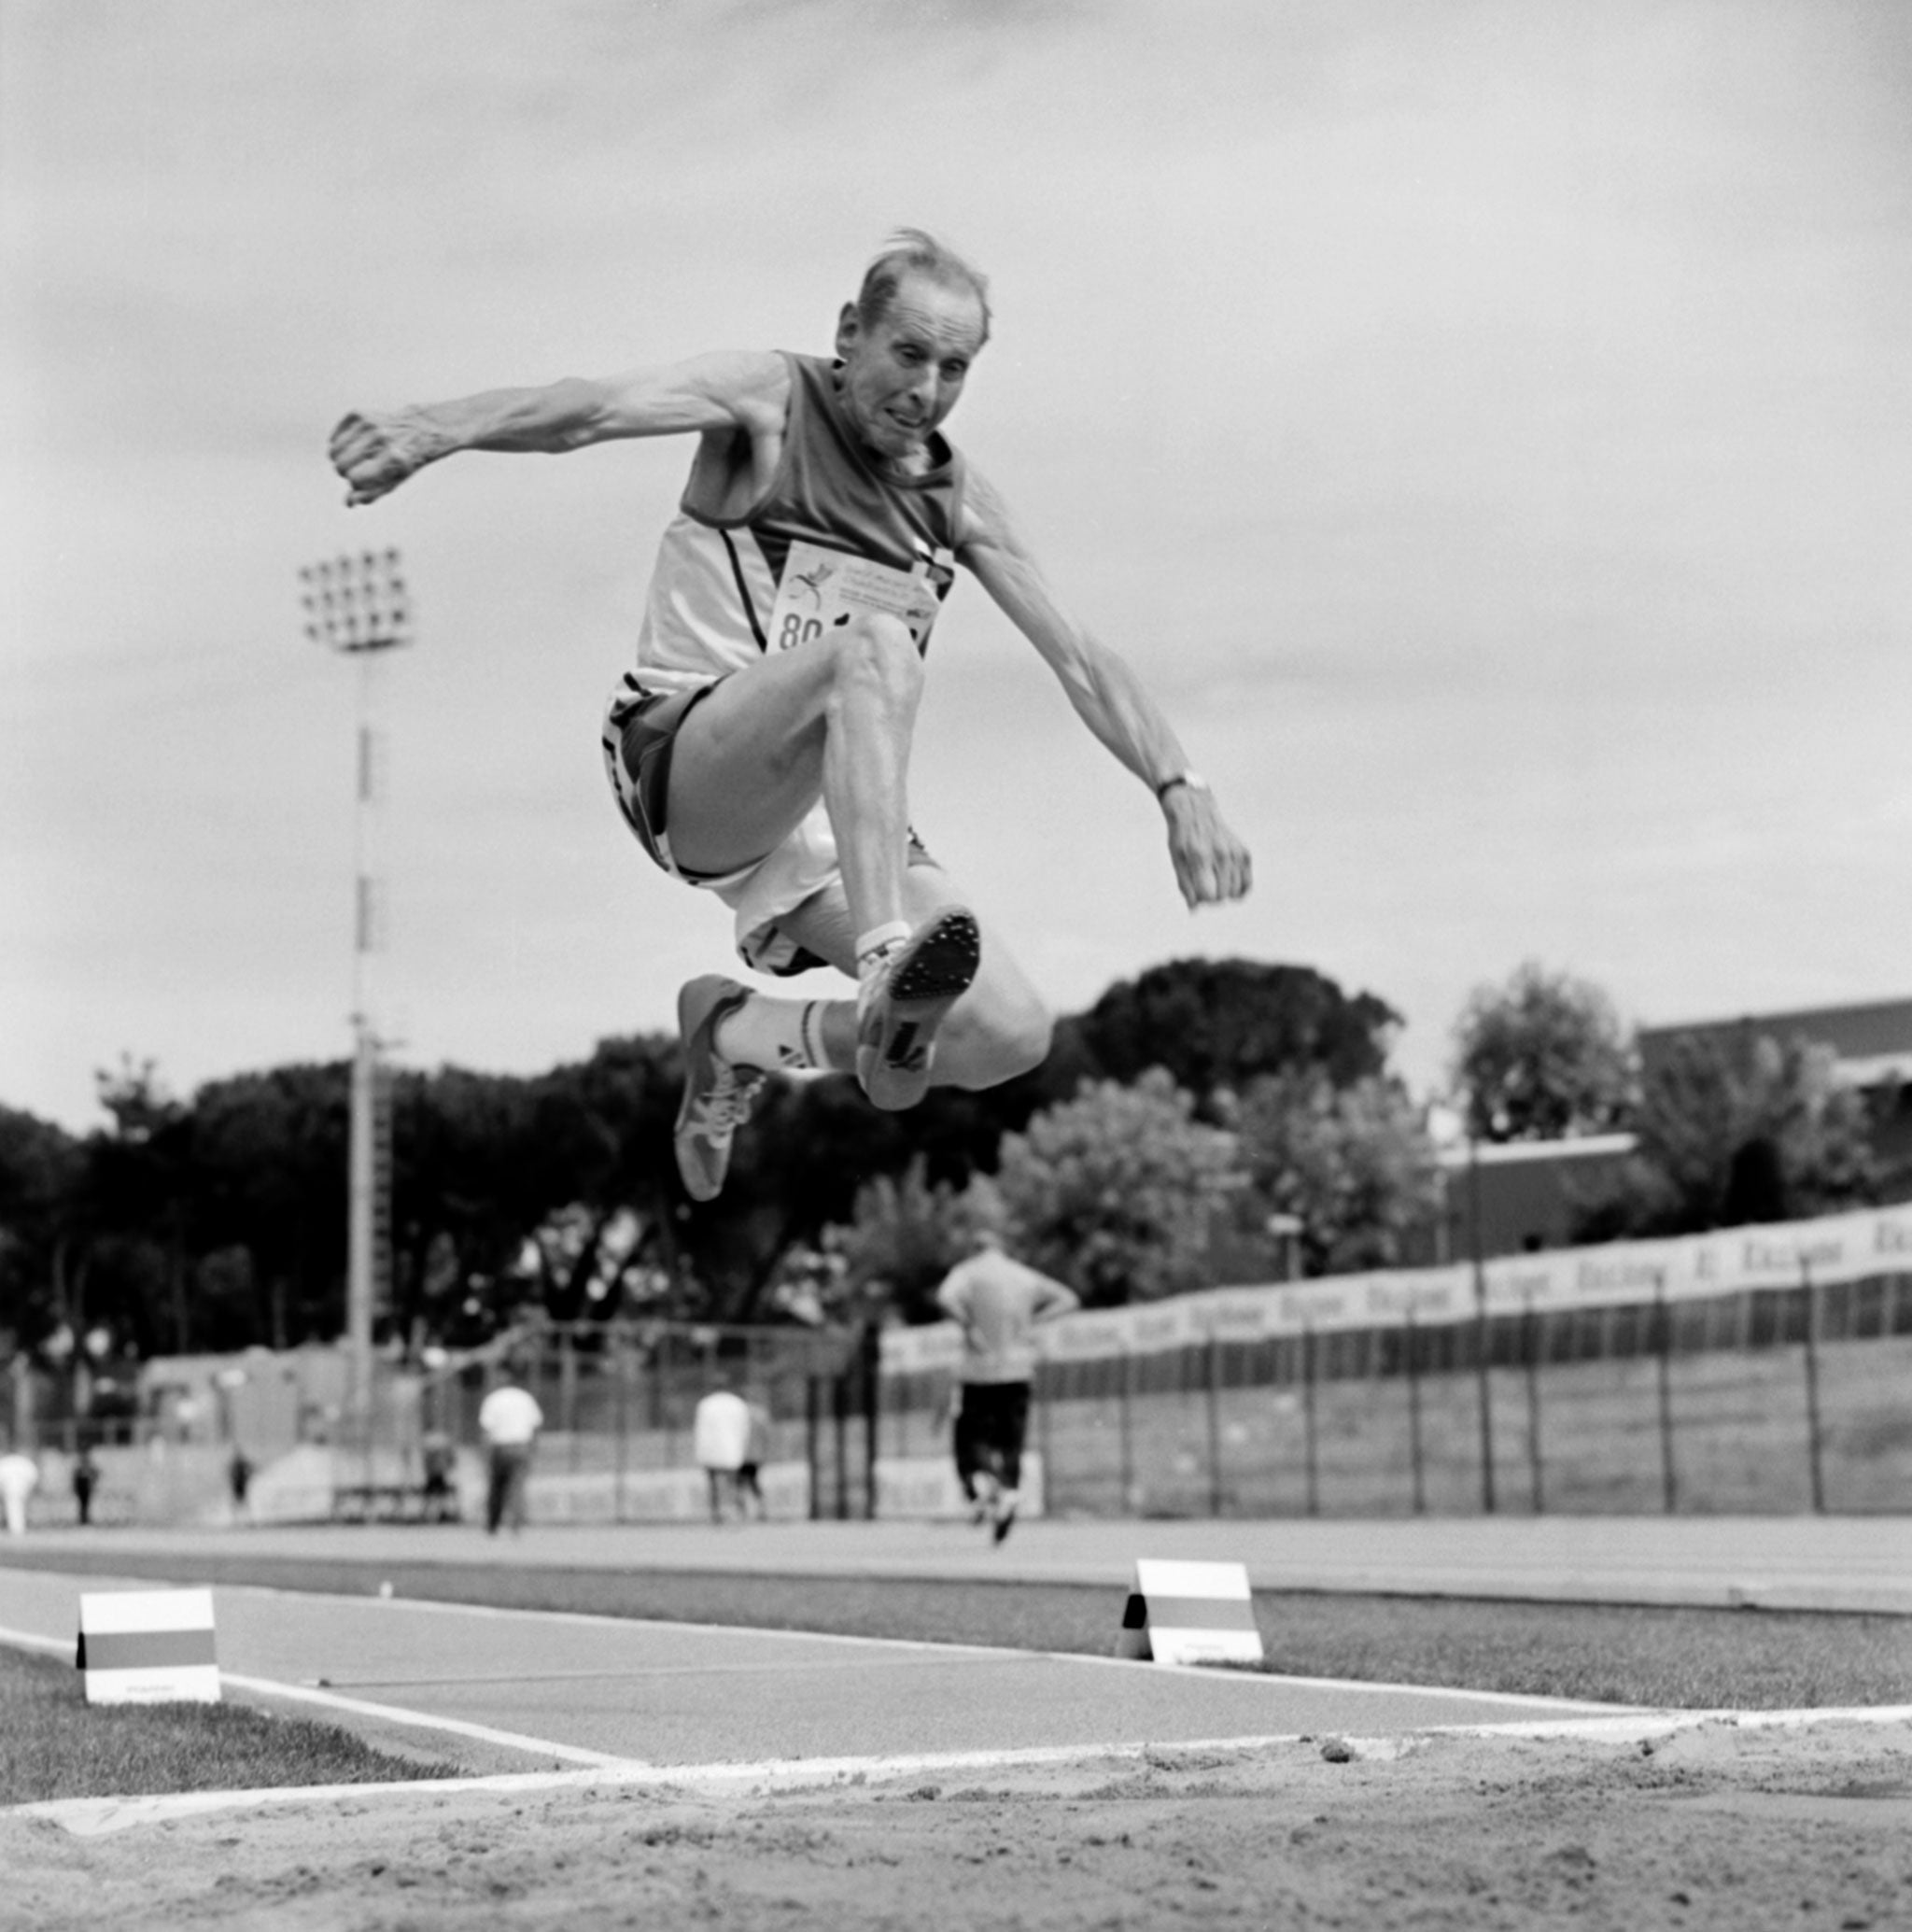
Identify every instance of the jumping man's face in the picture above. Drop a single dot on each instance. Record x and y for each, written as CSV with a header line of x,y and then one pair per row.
x,y
902,376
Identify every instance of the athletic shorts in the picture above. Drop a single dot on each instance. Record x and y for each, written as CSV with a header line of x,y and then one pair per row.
x,y
639,729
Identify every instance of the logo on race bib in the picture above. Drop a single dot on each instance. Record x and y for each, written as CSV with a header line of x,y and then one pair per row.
x,y
823,588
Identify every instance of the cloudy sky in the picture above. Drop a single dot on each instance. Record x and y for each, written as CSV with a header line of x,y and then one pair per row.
x,y
1487,427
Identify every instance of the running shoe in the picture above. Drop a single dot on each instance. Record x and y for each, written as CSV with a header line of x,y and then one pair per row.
x,y
911,995
718,1095
1005,1515
983,1504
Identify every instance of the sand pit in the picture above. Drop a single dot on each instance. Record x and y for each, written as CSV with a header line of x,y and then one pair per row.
x,y
1732,1825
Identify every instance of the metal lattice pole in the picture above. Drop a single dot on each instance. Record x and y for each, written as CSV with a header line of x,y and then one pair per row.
x,y
359,606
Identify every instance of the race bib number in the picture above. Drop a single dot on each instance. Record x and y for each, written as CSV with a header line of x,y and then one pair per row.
x,y
822,587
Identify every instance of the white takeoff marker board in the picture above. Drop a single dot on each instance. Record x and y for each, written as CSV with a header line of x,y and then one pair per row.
x,y
1190,1614
148,1647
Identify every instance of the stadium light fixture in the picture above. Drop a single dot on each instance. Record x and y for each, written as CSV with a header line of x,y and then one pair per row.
x,y
360,606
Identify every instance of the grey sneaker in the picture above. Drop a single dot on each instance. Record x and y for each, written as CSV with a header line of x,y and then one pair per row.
x,y
918,984
717,1095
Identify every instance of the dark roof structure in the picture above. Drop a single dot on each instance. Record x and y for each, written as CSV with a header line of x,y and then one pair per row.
x,y
1874,1042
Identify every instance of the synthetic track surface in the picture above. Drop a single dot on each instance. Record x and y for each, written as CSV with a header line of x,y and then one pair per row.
x,y
1462,1604
599,1689
503,1690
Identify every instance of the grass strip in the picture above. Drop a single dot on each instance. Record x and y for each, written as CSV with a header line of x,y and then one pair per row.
x,y
54,1745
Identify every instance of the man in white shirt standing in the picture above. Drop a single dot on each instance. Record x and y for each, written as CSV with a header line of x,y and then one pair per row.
x,y
509,1419
998,1303
18,1476
721,1441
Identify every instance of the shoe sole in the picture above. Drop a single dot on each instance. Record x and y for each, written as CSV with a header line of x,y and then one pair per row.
x,y
698,1182
939,965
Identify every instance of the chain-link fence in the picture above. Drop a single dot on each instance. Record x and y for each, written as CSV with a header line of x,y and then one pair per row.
x,y
1773,1399
1757,1401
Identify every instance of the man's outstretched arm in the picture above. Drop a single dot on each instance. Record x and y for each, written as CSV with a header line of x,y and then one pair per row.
x,y
730,390
1211,862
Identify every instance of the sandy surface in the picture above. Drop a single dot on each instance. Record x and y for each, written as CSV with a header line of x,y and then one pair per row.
x,y
1725,1826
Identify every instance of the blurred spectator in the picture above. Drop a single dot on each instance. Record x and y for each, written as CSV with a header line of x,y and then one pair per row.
x,y
86,1478
509,1419
18,1474
720,1440
239,1478
438,1458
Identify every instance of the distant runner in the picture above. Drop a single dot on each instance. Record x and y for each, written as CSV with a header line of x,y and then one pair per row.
x,y
761,746
997,1302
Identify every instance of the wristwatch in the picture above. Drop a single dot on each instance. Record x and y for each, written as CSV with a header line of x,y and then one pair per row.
x,y
1193,780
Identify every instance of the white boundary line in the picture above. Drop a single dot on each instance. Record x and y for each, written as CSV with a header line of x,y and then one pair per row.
x,y
91,1817
28,1640
390,1714
419,1720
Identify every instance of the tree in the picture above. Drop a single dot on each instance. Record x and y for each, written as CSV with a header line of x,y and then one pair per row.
x,y
905,1237
1222,1024
133,1205
1353,1164
1542,1058
39,1167
1113,1192
1738,1131
267,1175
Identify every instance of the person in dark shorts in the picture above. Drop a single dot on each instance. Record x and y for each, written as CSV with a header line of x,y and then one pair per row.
x,y
997,1302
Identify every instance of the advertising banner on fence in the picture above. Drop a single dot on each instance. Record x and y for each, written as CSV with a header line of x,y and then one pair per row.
x,y
1873,1242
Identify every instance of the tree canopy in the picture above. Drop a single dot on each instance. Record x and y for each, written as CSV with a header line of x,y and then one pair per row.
x,y
1220,1024
1541,1058
1168,1123
1112,1191
1732,1132
1352,1164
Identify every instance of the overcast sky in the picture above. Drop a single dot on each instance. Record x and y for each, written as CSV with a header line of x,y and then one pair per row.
x,y
1487,427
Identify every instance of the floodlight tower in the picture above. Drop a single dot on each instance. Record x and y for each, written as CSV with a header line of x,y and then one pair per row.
x,y
359,605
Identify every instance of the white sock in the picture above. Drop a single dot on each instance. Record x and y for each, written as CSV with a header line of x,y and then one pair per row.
x,y
784,1033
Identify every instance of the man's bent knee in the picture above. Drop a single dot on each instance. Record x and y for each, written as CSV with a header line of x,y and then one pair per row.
x,y
874,654
985,1047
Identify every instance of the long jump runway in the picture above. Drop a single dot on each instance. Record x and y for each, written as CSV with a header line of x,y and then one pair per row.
x,y
516,1692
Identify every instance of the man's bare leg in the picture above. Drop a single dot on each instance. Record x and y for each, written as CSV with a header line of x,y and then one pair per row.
x,y
833,719
997,1029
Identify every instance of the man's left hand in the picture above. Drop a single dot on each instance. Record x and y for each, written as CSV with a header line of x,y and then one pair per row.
x,y
1212,865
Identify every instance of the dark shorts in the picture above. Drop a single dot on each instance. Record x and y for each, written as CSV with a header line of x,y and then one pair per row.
x,y
991,1426
639,730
